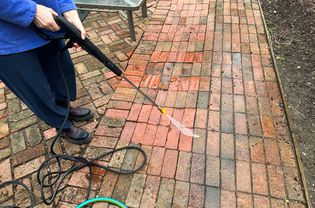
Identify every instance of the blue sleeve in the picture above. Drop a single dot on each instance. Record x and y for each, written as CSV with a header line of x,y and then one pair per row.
x,y
66,5
19,12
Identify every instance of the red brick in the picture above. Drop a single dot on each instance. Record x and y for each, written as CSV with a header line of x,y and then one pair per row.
x,y
170,99
293,183
251,105
5,176
261,201
181,192
238,87
244,200
137,71
166,192
278,203
188,118
134,112
163,57
201,118
261,89
239,104
264,106
154,116
185,142
180,57
213,171
242,148
237,72
183,83
256,146
119,114
254,125
214,121
161,135
226,71
258,73
155,165
165,121
172,138
196,196
228,174
287,154
213,143
250,88
194,83
149,135
109,75
134,79
172,57
102,141
240,123
128,130
259,179
227,146
183,170
270,73
28,167
204,84
228,199
227,59
243,176
139,132
215,85
169,164
268,127
226,86
50,133
145,113
121,105
276,181
272,152
227,102
198,57
160,98
150,192
155,56
106,131
189,57
214,101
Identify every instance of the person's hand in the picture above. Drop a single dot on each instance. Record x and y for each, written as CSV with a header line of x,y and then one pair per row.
x,y
73,17
44,18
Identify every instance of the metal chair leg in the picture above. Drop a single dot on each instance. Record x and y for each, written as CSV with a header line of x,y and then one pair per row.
x,y
144,9
131,25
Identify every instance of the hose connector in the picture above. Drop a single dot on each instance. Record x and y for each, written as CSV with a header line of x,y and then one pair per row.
x,y
162,110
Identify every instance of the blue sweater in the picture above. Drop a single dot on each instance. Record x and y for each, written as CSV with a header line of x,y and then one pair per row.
x,y
16,16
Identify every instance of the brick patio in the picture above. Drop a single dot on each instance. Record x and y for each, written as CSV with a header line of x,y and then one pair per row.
x,y
208,63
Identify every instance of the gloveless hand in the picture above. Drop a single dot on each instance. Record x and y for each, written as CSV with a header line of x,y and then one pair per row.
x,y
73,17
44,18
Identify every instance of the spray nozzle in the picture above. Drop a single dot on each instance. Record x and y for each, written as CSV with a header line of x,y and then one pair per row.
x,y
162,110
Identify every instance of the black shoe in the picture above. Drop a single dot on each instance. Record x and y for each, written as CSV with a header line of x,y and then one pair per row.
x,y
80,114
77,135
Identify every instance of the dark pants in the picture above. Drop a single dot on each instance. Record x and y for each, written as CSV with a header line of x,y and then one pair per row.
x,y
33,76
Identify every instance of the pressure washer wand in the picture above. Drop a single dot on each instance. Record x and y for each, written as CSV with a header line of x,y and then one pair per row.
x,y
74,35
162,110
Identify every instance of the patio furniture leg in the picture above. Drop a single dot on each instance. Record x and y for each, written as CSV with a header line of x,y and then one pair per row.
x,y
144,9
131,25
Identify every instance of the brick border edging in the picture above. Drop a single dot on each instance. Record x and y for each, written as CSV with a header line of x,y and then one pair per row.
x,y
285,102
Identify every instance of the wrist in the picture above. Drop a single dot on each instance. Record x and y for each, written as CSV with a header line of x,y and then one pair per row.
x,y
70,13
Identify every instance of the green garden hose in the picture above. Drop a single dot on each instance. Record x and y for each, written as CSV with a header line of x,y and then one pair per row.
x,y
102,199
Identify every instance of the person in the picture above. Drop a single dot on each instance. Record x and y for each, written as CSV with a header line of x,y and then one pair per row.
x,y
29,67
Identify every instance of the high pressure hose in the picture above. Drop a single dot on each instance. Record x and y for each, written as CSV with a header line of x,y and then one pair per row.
x,y
55,180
